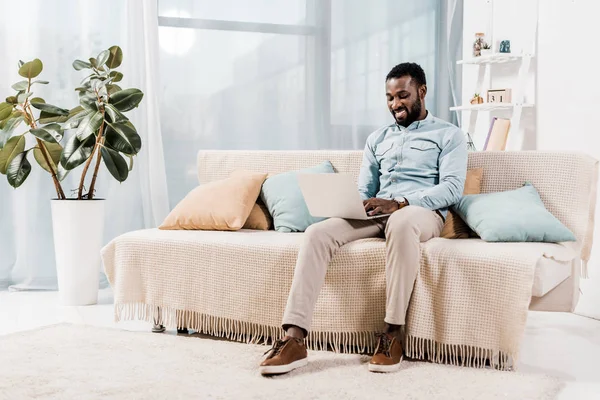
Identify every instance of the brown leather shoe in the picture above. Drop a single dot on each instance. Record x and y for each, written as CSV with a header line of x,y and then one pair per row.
x,y
286,355
388,354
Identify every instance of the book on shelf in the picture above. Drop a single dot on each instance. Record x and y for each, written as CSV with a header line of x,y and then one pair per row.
x,y
497,135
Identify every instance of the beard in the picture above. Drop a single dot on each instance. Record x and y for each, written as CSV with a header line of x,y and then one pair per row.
x,y
409,116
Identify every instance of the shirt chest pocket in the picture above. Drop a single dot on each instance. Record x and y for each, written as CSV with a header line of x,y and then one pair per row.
x,y
422,154
384,154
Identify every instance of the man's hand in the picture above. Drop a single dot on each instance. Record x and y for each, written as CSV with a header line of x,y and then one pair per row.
x,y
375,206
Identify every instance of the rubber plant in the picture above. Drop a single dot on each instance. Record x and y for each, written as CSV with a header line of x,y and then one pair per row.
x,y
101,131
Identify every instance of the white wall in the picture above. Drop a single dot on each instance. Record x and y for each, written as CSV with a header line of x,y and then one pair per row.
x,y
565,85
568,106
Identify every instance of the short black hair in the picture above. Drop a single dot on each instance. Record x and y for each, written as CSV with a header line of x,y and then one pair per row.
x,y
413,70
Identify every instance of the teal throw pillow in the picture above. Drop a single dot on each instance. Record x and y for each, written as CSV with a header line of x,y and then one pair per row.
x,y
282,195
512,216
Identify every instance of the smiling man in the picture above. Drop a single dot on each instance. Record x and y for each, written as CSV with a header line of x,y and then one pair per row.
x,y
414,170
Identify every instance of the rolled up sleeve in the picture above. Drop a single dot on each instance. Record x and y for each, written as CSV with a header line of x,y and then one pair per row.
x,y
368,178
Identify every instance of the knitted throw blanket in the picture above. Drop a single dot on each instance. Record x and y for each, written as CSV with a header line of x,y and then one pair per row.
x,y
469,304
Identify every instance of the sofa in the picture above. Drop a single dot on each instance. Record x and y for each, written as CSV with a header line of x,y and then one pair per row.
x,y
470,301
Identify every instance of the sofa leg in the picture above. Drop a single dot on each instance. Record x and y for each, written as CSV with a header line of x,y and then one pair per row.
x,y
157,327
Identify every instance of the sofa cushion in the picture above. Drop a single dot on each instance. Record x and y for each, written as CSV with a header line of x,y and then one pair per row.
x,y
455,227
282,195
512,216
218,205
259,218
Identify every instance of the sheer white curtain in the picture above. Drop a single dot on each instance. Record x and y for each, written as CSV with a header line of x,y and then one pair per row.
x,y
58,32
301,74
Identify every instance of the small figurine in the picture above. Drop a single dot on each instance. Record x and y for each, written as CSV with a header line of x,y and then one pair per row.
x,y
477,99
505,46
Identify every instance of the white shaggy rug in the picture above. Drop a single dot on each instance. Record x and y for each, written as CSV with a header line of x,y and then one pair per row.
x,y
82,362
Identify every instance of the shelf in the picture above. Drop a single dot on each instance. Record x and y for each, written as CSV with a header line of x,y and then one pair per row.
x,y
487,107
494,58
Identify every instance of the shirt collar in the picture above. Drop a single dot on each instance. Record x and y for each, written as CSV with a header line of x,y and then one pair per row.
x,y
417,124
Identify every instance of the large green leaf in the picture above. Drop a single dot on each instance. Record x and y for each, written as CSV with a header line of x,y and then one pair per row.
x,y
115,57
79,65
14,146
11,99
5,110
51,133
89,125
116,76
50,109
18,170
77,152
62,172
22,85
123,137
12,123
54,150
115,164
88,102
76,118
31,69
114,114
37,100
112,89
47,118
127,99
102,57
23,96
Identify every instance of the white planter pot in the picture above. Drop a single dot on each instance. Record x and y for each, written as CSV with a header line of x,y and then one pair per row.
x,y
78,227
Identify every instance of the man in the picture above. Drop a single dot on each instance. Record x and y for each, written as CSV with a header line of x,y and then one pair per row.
x,y
414,170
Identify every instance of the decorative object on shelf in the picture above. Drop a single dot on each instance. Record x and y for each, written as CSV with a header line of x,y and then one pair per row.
x,y
477,99
497,135
499,96
470,143
505,46
486,50
478,44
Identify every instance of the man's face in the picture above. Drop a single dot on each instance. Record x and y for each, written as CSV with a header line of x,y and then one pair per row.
x,y
404,99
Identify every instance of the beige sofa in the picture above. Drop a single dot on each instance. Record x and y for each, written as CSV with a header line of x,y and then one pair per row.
x,y
470,300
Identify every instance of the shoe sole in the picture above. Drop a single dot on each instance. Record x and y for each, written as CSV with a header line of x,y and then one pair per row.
x,y
385,368
282,369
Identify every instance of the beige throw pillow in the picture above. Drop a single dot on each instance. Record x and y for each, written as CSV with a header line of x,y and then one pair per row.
x,y
222,205
455,227
259,218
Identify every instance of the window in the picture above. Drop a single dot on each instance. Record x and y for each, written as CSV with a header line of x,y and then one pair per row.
x,y
281,74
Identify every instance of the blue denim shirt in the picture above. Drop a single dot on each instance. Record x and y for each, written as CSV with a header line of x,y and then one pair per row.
x,y
426,163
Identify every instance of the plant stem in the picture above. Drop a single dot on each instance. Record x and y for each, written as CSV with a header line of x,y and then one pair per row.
x,y
98,158
89,161
59,190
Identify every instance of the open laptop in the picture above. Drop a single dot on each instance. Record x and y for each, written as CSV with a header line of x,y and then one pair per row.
x,y
333,195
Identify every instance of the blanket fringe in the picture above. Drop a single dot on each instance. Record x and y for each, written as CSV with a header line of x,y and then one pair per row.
x,y
340,342
459,355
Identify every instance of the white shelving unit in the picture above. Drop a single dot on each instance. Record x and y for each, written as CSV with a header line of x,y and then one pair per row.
x,y
489,106
494,58
485,67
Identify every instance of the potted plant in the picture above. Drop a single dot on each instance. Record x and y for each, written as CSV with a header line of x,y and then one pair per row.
x,y
486,50
100,132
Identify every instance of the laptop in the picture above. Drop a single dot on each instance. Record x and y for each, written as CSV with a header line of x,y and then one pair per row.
x,y
333,195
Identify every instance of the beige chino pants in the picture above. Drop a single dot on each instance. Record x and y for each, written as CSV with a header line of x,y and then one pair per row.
x,y
404,230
